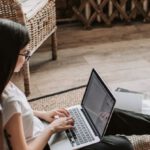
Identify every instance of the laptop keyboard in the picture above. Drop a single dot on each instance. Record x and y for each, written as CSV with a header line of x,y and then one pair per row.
x,y
81,133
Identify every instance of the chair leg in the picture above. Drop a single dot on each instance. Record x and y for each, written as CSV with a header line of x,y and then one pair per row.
x,y
26,76
54,46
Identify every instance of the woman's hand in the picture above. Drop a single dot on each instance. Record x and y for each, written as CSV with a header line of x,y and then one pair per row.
x,y
50,116
62,124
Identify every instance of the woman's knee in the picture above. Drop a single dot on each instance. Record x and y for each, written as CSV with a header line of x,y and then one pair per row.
x,y
111,143
117,143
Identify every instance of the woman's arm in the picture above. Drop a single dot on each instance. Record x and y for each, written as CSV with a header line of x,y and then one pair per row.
x,y
49,116
15,132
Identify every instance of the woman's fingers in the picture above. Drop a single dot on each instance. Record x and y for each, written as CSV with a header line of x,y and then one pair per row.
x,y
69,127
60,114
62,124
70,121
64,111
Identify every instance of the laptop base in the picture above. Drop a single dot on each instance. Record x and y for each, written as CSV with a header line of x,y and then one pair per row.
x,y
60,142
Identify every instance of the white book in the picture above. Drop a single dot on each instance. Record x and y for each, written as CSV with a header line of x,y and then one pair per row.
x,y
132,101
128,101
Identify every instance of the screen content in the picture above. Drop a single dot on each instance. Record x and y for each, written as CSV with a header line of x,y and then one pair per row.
x,y
98,103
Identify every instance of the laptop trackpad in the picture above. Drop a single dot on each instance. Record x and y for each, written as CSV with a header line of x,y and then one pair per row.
x,y
60,141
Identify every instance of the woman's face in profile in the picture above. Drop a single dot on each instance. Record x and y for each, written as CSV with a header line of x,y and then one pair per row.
x,y
21,60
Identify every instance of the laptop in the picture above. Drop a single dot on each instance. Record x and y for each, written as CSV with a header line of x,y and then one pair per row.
x,y
91,117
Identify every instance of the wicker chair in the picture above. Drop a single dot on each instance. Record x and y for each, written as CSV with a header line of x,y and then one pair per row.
x,y
41,25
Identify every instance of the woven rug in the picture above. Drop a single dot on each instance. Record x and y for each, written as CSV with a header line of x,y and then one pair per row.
x,y
72,97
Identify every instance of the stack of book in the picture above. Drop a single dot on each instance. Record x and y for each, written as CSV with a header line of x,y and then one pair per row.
x,y
132,100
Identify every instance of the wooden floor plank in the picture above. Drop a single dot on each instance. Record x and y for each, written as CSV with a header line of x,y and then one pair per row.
x,y
120,54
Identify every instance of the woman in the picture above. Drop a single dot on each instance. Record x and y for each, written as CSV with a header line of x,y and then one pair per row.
x,y
24,129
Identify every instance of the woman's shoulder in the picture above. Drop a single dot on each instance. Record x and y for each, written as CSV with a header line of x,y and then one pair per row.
x,y
11,93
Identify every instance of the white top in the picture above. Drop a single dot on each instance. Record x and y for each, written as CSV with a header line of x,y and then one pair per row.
x,y
14,101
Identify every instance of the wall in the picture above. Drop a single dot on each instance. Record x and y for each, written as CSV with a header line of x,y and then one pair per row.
x,y
64,8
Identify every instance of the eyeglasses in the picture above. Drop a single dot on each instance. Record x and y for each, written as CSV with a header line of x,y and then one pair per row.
x,y
26,55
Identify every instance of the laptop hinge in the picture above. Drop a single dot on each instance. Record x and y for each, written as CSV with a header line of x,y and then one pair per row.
x,y
90,122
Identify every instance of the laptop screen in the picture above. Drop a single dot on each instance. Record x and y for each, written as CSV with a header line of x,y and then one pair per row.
x,y
98,102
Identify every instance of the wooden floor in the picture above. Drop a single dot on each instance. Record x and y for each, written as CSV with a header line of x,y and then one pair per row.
x,y
120,54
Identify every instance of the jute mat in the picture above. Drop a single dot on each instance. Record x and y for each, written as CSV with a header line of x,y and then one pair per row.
x,y
65,99
73,97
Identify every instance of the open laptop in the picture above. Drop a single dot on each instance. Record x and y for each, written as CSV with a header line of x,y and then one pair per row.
x,y
91,117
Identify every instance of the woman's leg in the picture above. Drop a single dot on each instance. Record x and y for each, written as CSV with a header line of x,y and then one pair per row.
x,y
128,123
111,143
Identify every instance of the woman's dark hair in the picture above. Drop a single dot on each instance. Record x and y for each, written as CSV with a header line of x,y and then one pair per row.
x,y
13,38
